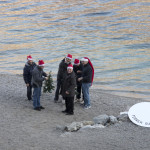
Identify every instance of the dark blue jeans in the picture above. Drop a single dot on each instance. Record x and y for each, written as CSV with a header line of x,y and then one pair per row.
x,y
85,88
36,97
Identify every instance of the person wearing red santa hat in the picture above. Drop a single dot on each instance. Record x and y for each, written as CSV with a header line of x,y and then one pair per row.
x,y
27,75
68,90
38,76
78,68
87,80
62,71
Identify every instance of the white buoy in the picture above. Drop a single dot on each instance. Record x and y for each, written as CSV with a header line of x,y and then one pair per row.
x,y
140,114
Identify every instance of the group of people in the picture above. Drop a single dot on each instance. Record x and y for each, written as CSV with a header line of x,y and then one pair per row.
x,y
78,76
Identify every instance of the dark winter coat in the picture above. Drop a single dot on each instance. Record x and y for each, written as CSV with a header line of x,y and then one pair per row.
x,y
38,76
69,85
78,75
27,72
62,71
87,73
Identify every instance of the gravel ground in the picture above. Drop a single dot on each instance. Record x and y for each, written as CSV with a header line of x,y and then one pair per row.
x,y
22,128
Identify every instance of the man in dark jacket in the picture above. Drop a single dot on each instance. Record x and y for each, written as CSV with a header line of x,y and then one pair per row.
x,y
38,76
87,79
68,90
62,71
27,75
78,68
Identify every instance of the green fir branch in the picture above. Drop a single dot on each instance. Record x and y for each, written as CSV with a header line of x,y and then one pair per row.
x,y
48,84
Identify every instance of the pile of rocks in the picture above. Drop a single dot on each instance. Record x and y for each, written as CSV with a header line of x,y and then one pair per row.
x,y
100,121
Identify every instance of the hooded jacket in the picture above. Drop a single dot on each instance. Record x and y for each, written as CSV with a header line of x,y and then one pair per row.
x,y
87,74
38,76
78,75
27,72
62,71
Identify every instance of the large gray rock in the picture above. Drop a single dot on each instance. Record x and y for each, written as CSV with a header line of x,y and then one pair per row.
x,y
101,119
74,126
95,126
61,128
113,120
125,112
87,123
123,117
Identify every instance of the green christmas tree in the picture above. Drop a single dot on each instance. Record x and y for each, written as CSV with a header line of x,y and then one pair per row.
x,y
48,85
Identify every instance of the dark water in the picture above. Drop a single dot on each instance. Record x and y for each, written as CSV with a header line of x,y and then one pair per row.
x,y
114,34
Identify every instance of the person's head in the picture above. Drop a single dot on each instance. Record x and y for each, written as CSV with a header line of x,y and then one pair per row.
x,y
41,64
68,58
84,61
70,68
29,59
77,62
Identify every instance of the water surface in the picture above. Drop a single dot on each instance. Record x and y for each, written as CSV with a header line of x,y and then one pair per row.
x,y
114,34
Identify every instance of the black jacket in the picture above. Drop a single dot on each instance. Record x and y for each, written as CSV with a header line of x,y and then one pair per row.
x,y
62,71
69,85
27,72
78,75
38,76
87,73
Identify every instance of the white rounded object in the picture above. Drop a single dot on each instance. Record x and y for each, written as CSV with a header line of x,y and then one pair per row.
x,y
140,114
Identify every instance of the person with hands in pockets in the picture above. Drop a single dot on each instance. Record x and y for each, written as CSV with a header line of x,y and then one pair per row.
x,y
68,90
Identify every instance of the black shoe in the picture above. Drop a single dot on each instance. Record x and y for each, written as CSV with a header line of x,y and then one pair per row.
x,y
70,113
64,111
37,108
55,101
41,107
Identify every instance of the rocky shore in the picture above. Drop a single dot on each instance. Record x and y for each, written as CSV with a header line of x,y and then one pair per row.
x,y
22,128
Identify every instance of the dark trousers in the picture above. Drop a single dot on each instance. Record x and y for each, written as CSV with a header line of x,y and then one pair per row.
x,y
57,92
69,102
29,92
79,87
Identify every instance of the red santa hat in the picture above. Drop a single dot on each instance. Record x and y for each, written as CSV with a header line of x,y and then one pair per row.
x,y
41,63
87,59
84,59
70,66
76,61
29,57
69,56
